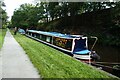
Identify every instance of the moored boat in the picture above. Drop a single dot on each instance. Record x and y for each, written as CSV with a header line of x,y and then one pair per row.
x,y
77,45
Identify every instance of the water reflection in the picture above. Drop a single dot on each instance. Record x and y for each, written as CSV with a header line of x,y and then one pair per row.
x,y
108,53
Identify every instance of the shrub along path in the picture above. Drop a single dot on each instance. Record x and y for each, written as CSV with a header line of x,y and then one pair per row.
x,y
15,63
2,35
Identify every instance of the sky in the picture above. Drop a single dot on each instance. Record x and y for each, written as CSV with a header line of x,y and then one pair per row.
x,y
11,5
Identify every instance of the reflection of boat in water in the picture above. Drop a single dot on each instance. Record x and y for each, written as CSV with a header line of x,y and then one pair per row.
x,y
73,44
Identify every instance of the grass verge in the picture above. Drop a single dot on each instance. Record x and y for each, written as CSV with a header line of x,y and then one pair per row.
x,y
2,35
52,63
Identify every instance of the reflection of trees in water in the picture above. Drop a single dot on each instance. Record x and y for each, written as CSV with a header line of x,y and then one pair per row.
x,y
108,53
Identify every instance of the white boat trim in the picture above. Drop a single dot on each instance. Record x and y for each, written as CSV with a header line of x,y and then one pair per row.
x,y
85,57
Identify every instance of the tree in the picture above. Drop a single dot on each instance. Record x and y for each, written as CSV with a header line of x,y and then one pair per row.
x,y
3,16
52,9
75,8
27,15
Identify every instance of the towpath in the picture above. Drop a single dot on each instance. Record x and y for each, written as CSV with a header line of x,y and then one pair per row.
x,y
14,63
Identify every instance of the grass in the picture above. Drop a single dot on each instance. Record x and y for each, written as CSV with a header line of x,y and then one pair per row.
x,y
2,35
52,63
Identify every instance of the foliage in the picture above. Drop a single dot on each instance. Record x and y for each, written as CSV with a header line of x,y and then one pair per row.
x,y
52,10
4,16
2,35
29,16
102,17
52,63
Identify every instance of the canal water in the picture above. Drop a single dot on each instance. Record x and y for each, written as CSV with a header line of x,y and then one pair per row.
x,y
109,57
108,53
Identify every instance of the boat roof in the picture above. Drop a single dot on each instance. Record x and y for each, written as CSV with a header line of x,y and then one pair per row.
x,y
56,34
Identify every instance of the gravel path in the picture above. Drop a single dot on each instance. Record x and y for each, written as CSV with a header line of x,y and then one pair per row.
x,y
15,63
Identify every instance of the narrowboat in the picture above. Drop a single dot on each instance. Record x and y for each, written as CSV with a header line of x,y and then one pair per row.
x,y
77,45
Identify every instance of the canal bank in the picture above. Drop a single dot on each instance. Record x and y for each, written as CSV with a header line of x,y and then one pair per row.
x,y
109,58
52,63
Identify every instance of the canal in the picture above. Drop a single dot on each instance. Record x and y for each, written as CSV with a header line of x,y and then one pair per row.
x,y
109,56
108,53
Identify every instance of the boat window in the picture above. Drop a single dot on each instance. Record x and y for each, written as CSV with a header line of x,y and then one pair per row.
x,y
80,44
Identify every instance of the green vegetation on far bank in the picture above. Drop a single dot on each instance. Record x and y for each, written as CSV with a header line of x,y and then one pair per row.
x,y
52,63
87,18
2,35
